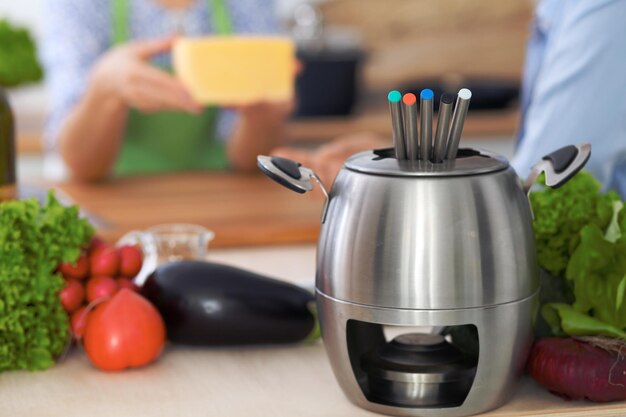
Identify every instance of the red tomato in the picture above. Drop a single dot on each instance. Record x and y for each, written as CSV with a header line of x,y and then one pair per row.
x,y
130,260
103,261
124,332
78,269
98,287
72,295
126,283
78,321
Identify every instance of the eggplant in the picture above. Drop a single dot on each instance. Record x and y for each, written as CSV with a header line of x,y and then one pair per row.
x,y
209,304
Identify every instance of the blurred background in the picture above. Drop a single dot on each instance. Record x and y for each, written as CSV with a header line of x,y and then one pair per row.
x,y
359,50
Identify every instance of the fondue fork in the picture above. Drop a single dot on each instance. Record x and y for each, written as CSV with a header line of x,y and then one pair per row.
x,y
409,104
426,123
395,108
458,118
443,127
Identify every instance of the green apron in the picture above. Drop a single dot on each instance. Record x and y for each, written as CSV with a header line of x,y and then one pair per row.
x,y
170,141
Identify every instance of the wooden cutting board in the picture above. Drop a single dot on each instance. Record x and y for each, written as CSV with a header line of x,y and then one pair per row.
x,y
241,209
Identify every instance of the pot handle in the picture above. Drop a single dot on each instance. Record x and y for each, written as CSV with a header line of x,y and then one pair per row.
x,y
559,166
291,174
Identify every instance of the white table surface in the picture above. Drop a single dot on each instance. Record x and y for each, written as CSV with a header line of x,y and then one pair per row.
x,y
293,380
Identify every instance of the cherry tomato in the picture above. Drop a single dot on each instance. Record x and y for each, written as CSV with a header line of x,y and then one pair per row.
x,y
124,332
99,287
130,260
72,295
78,269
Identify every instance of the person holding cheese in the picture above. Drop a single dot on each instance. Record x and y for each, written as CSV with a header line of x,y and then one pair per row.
x,y
116,106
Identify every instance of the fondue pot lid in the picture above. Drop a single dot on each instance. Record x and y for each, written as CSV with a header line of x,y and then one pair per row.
x,y
468,162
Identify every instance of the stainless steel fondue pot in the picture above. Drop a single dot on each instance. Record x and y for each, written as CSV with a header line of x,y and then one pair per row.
x,y
406,244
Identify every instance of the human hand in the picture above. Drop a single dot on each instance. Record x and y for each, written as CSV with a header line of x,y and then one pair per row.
x,y
327,160
125,74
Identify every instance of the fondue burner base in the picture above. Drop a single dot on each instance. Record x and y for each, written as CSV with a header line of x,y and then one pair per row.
x,y
419,370
384,376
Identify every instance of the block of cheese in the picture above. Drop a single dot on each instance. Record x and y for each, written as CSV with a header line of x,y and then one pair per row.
x,y
235,70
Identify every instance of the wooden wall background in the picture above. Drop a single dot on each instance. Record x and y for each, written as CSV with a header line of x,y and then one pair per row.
x,y
409,39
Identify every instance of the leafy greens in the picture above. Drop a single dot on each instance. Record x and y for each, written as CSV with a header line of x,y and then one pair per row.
x,y
581,241
34,240
18,57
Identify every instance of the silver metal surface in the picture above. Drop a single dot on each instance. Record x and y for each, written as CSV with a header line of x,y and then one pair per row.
x,y
304,184
504,332
417,395
326,196
552,178
458,119
412,243
421,378
426,129
441,136
470,244
399,142
480,162
410,131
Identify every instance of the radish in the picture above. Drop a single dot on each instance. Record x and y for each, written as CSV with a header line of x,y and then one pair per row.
x,y
72,295
104,261
98,287
592,368
78,269
130,260
78,321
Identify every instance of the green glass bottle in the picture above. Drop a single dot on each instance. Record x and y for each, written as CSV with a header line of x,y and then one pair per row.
x,y
7,149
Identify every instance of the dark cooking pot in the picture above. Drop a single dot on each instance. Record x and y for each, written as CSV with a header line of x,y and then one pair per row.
x,y
331,57
328,83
